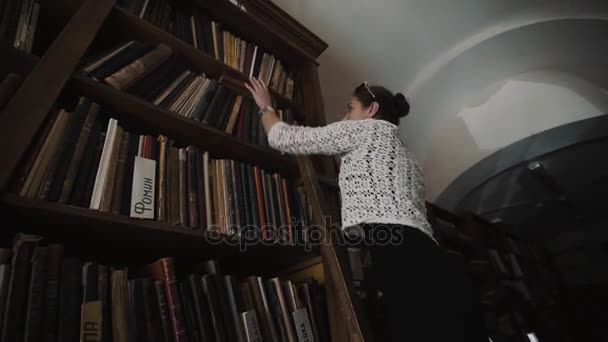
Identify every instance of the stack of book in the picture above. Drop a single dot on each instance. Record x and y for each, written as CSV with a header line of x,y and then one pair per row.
x,y
85,158
18,20
150,72
45,295
206,34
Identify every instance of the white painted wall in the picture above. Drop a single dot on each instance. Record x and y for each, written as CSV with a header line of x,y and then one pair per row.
x,y
464,64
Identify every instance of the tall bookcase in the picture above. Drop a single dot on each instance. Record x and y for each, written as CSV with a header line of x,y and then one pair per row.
x,y
66,29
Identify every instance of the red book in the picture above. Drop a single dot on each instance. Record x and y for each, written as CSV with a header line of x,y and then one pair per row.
x,y
164,271
259,191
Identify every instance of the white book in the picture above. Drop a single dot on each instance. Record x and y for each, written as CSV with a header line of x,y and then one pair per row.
x,y
104,164
251,326
255,54
143,188
302,325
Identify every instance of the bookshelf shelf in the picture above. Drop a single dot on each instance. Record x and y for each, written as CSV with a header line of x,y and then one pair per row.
x,y
141,29
66,219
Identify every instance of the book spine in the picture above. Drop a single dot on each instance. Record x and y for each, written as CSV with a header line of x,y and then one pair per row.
x,y
51,301
173,301
164,311
183,193
33,319
192,187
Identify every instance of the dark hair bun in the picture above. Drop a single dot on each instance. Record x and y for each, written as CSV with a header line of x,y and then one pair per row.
x,y
402,107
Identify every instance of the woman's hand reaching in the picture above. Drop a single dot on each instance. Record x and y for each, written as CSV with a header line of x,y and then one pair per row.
x,y
260,92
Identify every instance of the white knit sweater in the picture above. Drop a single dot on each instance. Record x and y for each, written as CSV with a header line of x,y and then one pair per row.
x,y
380,180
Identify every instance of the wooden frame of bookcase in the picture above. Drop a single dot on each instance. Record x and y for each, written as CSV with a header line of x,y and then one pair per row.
x,y
49,75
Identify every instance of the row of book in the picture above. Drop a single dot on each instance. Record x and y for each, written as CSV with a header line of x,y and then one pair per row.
x,y
150,72
46,295
88,159
18,21
212,37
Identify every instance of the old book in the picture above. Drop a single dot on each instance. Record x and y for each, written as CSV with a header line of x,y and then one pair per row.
x,y
233,115
201,106
55,175
138,325
254,200
191,186
219,99
121,325
98,61
45,157
251,326
50,308
256,62
8,87
70,300
234,302
244,195
161,188
104,165
285,309
33,317
106,193
175,95
289,86
208,184
163,270
127,186
262,307
172,86
119,60
152,319
16,303
92,318
144,183
125,76
202,315
200,189
231,228
104,295
33,151
304,293
189,316
275,310
151,85
268,206
163,310
172,168
78,153
210,292
183,188
121,166
185,95
238,200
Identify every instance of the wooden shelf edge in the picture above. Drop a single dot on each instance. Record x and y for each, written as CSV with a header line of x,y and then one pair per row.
x,y
122,227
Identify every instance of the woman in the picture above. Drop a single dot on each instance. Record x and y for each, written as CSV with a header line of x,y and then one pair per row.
x,y
421,295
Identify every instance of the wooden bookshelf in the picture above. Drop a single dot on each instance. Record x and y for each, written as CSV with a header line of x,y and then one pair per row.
x,y
54,75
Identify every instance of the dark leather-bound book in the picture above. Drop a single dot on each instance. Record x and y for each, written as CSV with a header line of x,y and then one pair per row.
x,y
279,205
90,282
203,318
173,211
51,300
154,83
124,77
164,270
163,309
207,32
103,294
212,298
121,326
192,186
138,324
202,105
189,315
225,110
125,57
16,302
229,197
93,146
106,195
257,63
152,312
253,202
8,87
78,154
260,301
33,151
261,204
305,295
90,180
247,205
70,300
245,133
235,305
200,189
218,100
161,179
125,202
222,293
275,310
71,138
268,206
319,300
183,187
121,166
33,317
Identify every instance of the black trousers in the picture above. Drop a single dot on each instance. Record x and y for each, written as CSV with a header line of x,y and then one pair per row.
x,y
418,292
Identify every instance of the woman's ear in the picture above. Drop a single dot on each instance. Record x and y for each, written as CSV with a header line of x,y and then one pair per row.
x,y
373,109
